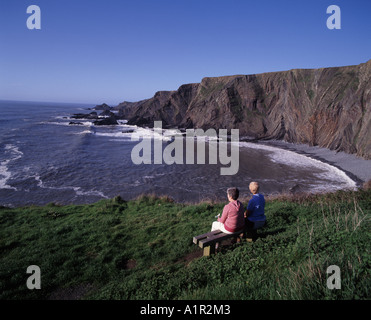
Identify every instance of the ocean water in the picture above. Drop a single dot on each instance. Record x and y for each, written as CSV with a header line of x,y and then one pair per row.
x,y
43,159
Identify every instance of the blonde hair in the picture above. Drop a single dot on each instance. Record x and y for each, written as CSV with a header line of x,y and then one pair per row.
x,y
254,187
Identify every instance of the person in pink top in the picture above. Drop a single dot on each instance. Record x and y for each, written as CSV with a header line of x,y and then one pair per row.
x,y
232,219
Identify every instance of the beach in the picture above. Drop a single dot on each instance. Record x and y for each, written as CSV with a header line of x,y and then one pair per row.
x,y
99,164
356,168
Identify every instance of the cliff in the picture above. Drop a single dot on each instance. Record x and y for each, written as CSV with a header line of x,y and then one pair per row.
x,y
328,107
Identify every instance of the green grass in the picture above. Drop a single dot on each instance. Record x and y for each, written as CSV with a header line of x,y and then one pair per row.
x,y
141,249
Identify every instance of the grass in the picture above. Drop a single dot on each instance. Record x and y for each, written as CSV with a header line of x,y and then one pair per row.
x,y
142,249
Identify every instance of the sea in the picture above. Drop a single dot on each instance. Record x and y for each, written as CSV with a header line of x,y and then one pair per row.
x,y
44,159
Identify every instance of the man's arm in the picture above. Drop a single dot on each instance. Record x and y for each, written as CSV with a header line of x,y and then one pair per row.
x,y
249,208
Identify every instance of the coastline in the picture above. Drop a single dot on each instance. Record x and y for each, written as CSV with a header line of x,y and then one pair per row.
x,y
354,167
349,168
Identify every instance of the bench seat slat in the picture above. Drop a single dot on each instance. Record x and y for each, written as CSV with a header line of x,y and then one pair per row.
x,y
205,236
215,238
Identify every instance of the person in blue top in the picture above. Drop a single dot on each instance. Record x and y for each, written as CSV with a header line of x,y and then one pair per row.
x,y
255,215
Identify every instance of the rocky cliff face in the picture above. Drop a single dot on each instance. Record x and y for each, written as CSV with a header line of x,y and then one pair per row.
x,y
328,107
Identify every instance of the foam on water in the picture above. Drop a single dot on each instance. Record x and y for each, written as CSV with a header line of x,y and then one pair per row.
x,y
77,190
67,123
121,130
126,132
12,153
297,160
114,134
136,133
89,193
5,175
86,132
79,163
146,133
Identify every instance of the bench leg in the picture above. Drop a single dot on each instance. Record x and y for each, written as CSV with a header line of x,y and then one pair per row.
x,y
238,238
209,250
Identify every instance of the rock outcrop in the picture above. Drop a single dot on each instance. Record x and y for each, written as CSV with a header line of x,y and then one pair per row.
x,y
328,107
90,116
105,118
103,106
109,121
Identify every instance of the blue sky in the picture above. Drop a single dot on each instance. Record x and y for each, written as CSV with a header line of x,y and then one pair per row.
x,y
97,51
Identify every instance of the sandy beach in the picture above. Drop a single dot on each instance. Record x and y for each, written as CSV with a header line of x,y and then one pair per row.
x,y
356,168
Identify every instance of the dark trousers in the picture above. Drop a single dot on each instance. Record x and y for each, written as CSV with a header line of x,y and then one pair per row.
x,y
251,228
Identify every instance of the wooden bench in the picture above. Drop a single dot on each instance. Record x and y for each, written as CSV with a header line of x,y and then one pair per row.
x,y
208,240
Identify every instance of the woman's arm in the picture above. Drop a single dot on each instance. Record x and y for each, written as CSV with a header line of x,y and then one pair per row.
x,y
224,214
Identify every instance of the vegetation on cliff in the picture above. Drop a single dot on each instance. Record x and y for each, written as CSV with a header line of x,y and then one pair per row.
x,y
142,249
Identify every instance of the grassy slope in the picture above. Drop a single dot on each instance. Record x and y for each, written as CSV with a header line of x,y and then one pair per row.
x,y
138,250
